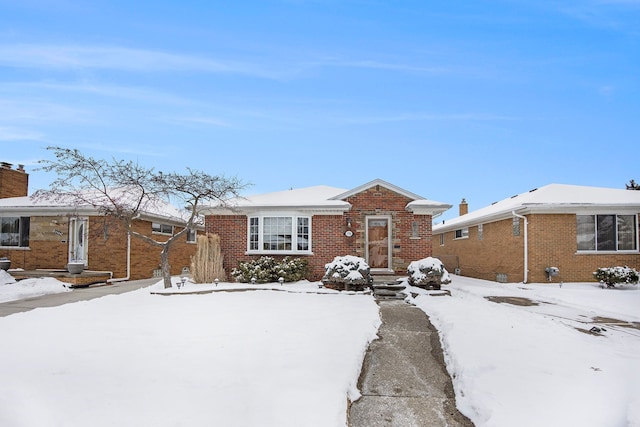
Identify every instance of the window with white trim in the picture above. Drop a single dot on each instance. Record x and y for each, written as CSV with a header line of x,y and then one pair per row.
x,y
157,227
607,233
14,231
192,235
462,233
274,234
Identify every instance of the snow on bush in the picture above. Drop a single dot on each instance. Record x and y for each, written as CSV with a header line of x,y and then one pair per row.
x,y
614,275
428,272
347,271
267,269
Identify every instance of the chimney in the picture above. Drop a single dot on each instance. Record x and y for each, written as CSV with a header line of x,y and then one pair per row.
x,y
13,182
464,207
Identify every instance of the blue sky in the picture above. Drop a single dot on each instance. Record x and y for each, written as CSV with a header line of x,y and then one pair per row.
x,y
476,99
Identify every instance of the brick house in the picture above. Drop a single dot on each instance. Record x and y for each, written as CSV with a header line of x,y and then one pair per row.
x,y
378,221
40,235
576,229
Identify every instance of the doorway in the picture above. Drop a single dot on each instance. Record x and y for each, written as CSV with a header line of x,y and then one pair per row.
x,y
78,236
378,242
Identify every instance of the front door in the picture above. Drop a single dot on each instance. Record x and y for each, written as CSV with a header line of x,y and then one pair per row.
x,y
78,245
379,242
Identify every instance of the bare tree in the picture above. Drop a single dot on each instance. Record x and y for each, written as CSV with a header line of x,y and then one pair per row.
x,y
125,189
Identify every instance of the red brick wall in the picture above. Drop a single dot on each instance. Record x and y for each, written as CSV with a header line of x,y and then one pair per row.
x,y
232,230
48,248
552,243
328,239
384,202
13,182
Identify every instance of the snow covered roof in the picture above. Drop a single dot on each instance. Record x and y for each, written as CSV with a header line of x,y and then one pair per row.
x,y
320,199
381,183
419,205
317,198
31,206
552,198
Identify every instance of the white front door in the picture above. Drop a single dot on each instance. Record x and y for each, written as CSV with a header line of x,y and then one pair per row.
x,y
78,234
378,243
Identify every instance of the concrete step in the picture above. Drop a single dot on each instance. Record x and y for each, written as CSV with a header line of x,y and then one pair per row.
x,y
389,291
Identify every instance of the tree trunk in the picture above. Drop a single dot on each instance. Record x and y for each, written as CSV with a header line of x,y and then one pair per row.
x,y
166,268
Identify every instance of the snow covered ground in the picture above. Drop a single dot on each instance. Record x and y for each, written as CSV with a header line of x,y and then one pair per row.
x,y
272,358
258,358
537,365
10,290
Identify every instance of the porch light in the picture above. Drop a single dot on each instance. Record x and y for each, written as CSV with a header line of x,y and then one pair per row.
x,y
348,222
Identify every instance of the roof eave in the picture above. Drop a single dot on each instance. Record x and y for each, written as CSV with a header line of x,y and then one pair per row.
x,y
381,182
248,210
433,210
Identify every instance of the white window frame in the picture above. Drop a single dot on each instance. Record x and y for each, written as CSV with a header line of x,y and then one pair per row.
x,y
464,233
609,251
161,227
258,245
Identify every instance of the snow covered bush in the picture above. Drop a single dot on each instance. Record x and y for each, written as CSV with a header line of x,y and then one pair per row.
x,y
614,275
428,273
292,269
347,272
267,269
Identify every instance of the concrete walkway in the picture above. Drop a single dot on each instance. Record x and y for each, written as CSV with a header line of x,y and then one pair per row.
x,y
78,294
404,381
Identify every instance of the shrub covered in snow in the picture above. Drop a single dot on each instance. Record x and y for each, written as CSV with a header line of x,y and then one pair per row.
x,y
267,269
347,272
614,275
428,273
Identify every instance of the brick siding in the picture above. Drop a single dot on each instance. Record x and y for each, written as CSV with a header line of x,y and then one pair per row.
x,y
328,238
552,243
107,240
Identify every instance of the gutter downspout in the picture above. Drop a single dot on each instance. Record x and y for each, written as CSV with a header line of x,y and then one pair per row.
x,y
123,279
526,246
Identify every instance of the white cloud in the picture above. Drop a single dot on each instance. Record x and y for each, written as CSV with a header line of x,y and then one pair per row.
x,y
106,90
78,58
13,134
430,117
210,121
118,58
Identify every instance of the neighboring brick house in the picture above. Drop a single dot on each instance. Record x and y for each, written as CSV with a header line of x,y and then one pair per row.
x,y
386,225
39,235
576,229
